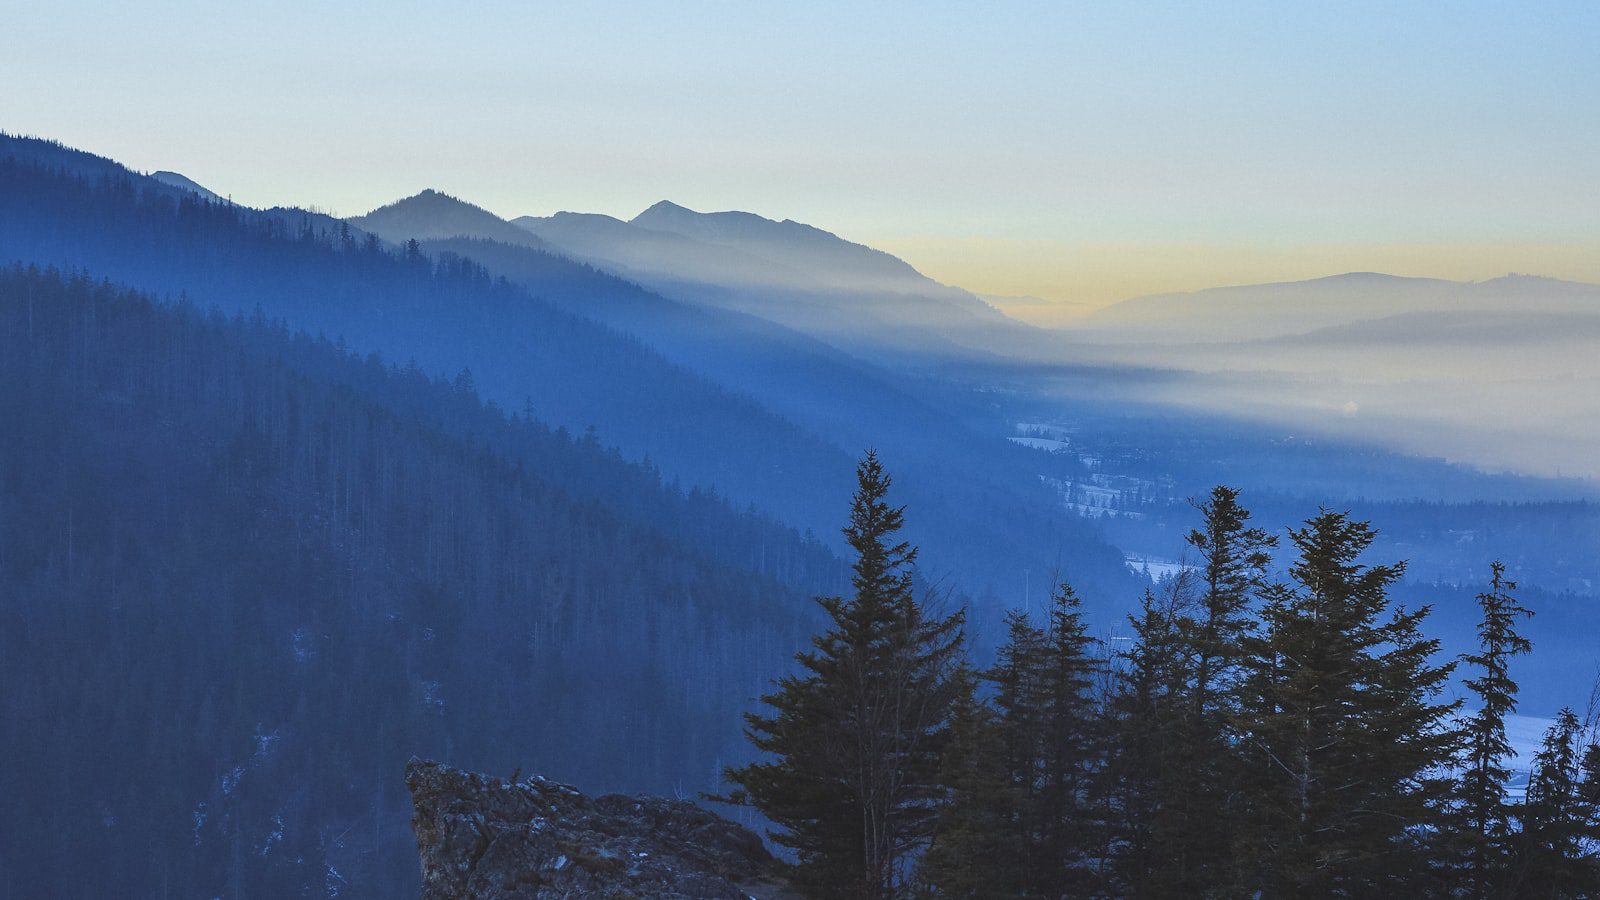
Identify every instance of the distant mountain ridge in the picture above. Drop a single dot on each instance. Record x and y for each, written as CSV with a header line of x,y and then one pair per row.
x,y
433,215
822,255
529,338
1040,311
183,182
639,252
1284,309
53,156
852,296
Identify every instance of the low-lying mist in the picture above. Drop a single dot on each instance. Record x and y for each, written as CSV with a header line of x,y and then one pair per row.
x,y
1502,375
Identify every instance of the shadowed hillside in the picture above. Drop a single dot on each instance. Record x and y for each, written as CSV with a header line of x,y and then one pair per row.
x,y
247,574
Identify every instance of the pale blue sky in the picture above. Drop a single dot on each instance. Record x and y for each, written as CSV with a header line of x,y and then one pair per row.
x,y
1075,151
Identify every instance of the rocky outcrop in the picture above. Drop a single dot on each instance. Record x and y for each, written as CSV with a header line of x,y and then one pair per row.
x,y
492,839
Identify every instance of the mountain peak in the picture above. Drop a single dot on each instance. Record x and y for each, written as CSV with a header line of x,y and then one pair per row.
x,y
720,227
431,214
795,245
665,207
183,182
428,197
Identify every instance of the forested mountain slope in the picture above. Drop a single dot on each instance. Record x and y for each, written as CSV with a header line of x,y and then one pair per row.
x,y
246,574
932,430
987,523
444,317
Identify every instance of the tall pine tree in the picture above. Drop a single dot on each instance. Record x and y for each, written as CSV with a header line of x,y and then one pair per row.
x,y
1484,829
1022,702
1049,753
979,848
854,740
1560,824
1145,711
1343,725
1073,753
1234,557
1178,708
1196,834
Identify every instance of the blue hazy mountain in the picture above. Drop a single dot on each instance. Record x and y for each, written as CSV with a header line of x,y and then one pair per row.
x,y
641,253
837,394
986,514
58,157
1465,328
950,450
826,258
432,215
184,183
1259,311
855,297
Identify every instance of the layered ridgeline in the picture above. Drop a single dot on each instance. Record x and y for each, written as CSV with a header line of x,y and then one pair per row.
x,y
948,439
1340,307
848,295
849,400
709,415
245,574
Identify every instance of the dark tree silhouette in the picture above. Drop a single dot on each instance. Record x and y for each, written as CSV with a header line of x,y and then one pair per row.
x,y
853,741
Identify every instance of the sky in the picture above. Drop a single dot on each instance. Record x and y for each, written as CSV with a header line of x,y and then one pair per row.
x,y
1080,153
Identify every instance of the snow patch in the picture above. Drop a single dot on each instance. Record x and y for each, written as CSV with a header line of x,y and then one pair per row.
x,y
1047,444
301,645
1155,568
265,743
274,837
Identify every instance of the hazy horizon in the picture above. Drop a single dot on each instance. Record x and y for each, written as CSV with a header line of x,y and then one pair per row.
x,y
1076,154
956,448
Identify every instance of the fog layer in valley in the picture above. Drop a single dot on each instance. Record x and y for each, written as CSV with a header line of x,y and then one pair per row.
x,y
1502,374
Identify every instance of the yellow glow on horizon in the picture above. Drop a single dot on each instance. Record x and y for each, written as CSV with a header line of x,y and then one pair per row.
x,y
1077,277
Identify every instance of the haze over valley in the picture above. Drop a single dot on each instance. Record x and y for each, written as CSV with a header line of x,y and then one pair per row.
x,y
1041,452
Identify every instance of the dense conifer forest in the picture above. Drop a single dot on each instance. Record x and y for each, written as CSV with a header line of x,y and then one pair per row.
x,y
247,574
1258,735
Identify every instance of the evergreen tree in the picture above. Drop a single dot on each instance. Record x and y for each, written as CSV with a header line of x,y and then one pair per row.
x,y
854,740
978,849
1343,724
1484,831
1235,556
1022,704
1050,749
1412,745
1179,764
1195,834
1072,758
1143,712
1556,857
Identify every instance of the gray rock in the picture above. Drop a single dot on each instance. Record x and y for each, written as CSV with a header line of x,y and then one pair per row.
x,y
492,839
